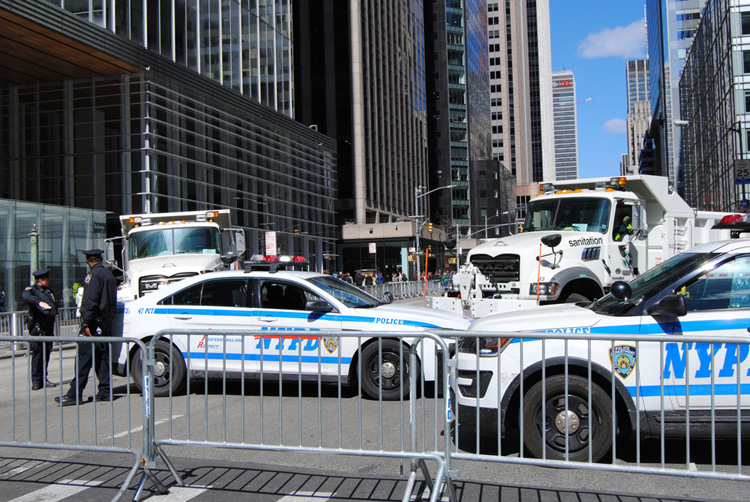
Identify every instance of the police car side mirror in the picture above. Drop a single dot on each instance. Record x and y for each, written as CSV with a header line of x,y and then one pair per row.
x,y
318,306
621,290
669,306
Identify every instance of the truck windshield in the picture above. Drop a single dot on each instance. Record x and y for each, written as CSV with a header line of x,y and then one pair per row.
x,y
653,282
171,241
583,214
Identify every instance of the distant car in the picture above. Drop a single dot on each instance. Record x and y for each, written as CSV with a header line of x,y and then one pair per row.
x,y
705,290
271,302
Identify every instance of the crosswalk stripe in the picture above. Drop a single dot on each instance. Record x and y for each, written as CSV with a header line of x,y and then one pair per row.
x,y
57,491
19,470
182,493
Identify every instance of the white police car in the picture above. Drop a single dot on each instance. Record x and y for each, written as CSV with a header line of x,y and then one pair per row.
x,y
705,290
276,302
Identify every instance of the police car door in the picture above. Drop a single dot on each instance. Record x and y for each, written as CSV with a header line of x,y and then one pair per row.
x,y
292,334
209,306
718,303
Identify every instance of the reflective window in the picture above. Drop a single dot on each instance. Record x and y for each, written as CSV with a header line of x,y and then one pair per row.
x,y
725,287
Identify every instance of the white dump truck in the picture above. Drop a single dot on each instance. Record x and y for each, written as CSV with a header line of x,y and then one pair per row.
x,y
161,248
578,238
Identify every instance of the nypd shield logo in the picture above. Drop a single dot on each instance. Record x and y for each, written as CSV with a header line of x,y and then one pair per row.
x,y
623,359
331,343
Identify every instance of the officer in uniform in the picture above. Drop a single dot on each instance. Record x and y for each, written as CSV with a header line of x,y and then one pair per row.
x,y
97,312
41,322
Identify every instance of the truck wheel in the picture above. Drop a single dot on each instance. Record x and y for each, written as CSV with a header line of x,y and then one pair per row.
x,y
584,427
385,373
163,378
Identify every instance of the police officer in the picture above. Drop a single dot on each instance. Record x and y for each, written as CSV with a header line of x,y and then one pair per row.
x,y
42,311
97,312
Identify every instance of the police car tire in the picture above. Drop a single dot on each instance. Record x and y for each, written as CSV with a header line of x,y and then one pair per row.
x,y
162,382
553,439
371,370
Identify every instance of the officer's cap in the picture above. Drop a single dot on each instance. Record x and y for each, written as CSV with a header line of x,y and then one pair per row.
x,y
39,274
93,252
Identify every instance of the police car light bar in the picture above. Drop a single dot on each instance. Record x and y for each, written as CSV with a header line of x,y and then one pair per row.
x,y
736,223
274,263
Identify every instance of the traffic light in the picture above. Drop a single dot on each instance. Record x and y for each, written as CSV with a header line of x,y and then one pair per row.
x,y
429,227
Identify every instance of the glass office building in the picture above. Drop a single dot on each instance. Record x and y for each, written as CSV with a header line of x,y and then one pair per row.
x,y
61,234
196,114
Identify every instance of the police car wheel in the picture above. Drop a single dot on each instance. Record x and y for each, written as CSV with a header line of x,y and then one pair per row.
x,y
165,373
584,428
385,372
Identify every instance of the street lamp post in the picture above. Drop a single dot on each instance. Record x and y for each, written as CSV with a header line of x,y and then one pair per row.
x,y
418,195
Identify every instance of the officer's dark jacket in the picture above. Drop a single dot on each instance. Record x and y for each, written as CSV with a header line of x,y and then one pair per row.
x,y
99,299
45,318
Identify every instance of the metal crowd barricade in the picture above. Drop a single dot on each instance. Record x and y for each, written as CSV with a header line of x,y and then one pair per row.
x,y
118,425
260,411
681,403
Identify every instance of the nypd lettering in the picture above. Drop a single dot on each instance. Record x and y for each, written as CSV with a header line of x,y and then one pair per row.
x,y
725,356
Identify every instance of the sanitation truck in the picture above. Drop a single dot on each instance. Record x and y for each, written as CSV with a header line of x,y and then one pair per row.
x,y
162,248
578,238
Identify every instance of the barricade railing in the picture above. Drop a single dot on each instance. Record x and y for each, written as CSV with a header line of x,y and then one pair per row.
x,y
407,289
656,404
295,392
117,423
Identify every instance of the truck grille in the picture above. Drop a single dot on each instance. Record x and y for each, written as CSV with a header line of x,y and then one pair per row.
x,y
151,283
501,269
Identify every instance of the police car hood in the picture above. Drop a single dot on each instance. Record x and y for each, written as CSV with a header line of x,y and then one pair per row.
x,y
532,240
543,318
408,317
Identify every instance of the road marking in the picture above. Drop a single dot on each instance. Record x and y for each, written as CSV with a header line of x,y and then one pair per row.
x,y
182,493
138,429
58,491
19,470
306,497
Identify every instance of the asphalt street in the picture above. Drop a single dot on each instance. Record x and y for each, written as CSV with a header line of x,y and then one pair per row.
x,y
213,474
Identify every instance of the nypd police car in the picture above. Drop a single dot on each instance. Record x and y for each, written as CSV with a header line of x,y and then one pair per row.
x,y
274,302
566,396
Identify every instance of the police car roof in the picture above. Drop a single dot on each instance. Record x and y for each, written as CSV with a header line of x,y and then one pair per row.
x,y
726,246
229,274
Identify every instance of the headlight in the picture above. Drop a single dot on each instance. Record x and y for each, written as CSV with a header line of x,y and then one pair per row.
x,y
487,346
545,288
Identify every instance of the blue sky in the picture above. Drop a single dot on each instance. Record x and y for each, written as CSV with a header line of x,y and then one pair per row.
x,y
594,39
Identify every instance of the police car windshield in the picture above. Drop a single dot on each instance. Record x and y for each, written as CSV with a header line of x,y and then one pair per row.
x,y
347,294
583,214
652,282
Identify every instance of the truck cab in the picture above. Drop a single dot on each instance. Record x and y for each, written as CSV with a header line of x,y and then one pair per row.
x,y
158,249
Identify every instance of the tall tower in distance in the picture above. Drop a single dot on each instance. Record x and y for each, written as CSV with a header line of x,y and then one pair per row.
x,y
565,125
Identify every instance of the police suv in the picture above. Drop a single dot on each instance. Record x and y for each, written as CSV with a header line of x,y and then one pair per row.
x,y
289,311
566,396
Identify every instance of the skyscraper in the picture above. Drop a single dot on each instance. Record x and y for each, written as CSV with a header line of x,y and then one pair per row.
x,y
565,125
671,27
360,79
520,91
639,116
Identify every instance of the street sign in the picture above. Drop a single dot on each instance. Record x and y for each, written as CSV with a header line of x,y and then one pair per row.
x,y
742,171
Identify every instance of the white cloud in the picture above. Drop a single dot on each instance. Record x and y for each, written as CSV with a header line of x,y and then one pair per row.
x,y
628,42
616,126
